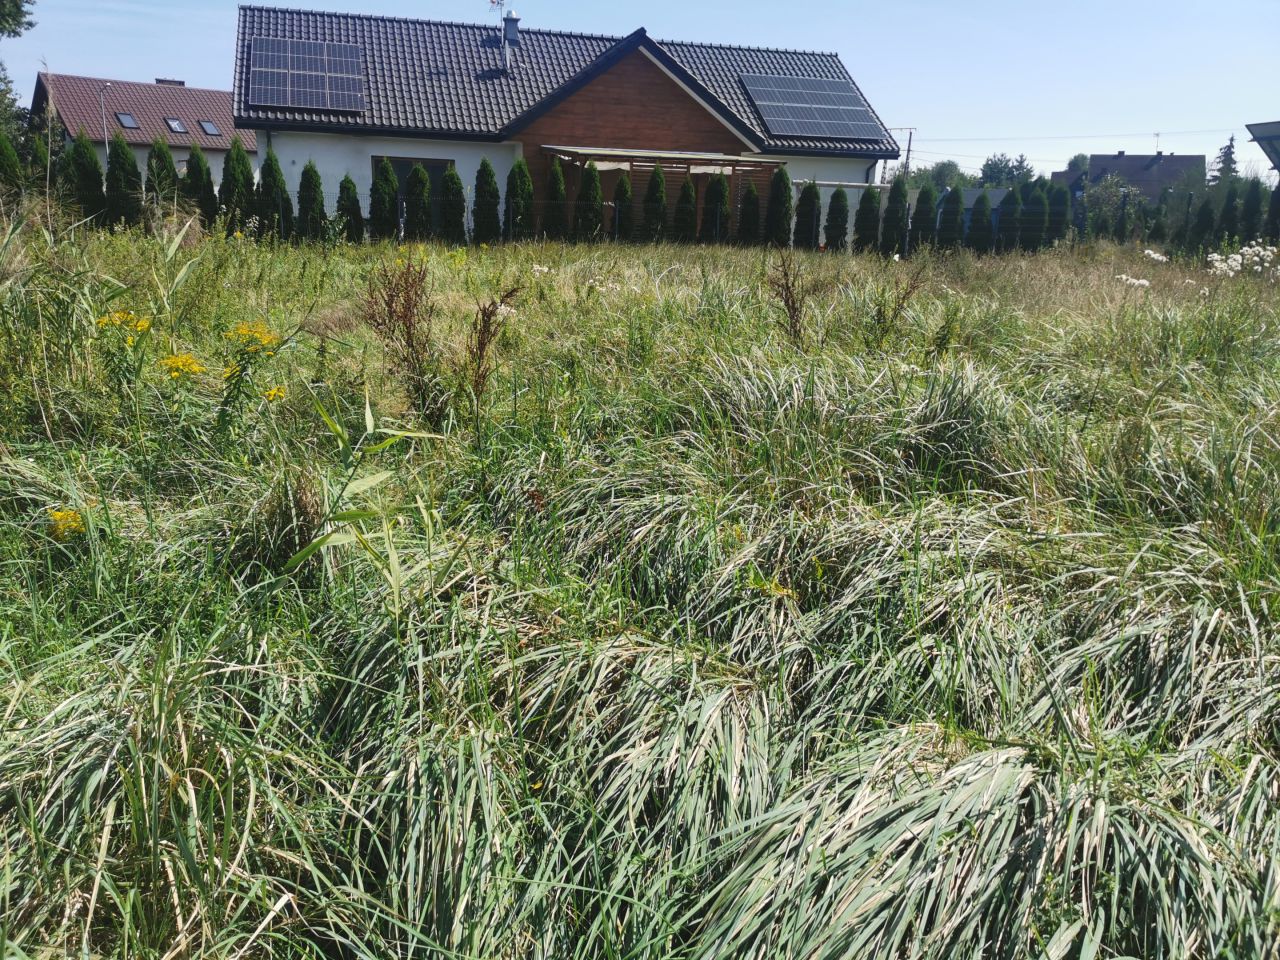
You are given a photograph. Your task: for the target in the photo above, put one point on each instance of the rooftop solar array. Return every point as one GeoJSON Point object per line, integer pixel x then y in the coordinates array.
{"type": "Point", "coordinates": [306, 74]}
{"type": "Point", "coordinates": [812, 107]}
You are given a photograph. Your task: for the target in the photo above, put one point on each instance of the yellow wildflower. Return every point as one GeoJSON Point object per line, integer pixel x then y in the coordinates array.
{"type": "Point", "coordinates": [238, 235]}
{"type": "Point", "coordinates": [255, 337]}
{"type": "Point", "coordinates": [182, 364]}
{"type": "Point", "coordinates": [65, 524]}
{"type": "Point", "coordinates": [125, 320]}
{"type": "Point", "coordinates": [274, 394]}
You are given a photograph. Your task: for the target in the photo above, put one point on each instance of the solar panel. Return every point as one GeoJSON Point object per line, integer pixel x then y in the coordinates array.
{"type": "Point", "coordinates": [306, 74]}
{"type": "Point", "coordinates": [812, 107]}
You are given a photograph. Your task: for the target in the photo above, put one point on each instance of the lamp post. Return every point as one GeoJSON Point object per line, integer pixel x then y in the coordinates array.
{"type": "Point", "coordinates": [102, 105]}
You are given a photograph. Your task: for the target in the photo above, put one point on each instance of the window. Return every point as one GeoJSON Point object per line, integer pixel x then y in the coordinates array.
{"type": "Point", "coordinates": [211, 128]}
{"type": "Point", "coordinates": [176, 125]}
{"type": "Point", "coordinates": [127, 121]}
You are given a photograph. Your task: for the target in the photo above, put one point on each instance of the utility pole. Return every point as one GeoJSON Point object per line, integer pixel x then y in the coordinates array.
{"type": "Point", "coordinates": [106, 150]}
{"type": "Point", "coordinates": [906, 163]}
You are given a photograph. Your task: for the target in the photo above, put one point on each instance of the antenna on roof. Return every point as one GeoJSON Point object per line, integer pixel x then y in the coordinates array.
{"type": "Point", "coordinates": [510, 35]}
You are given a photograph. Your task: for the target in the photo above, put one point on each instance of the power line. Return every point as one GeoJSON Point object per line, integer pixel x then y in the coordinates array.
{"type": "Point", "coordinates": [1078, 136]}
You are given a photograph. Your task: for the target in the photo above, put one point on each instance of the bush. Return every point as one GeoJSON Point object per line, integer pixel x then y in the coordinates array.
{"type": "Point", "coordinates": [837, 229]}
{"type": "Point", "coordinates": [274, 207]}
{"type": "Point", "coordinates": [349, 211]}
{"type": "Point", "coordinates": [81, 176]}
{"type": "Point", "coordinates": [588, 212]}
{"type": "Point", "coordinates": [486, 226]}
{"type": "Point", "coordinates": [124, 184]}
{"type": "Point", "coordinates": [866, 222]}
{"type": "Point", "coordinates": [808, 218]}
{"type": "Point", "coordinates": [1010, 212]}
{"type": "Point", "coordinates": [623, 209]}
{"type": "Point", "coordinates": [951, 225]}
{"type": "Point", "coordinates": [981, 237]}
{"type": "Point", "coordinates": [779, 213]}
{"type": "Point", "coordinates": [749, 216]}
{"type": "Point", "coordinates": [236, 193]}
{"type": "Point", "coordinates": [417, 204]}
{"type": "Point", "coordinates": [893, 232]}
{"type": "Point", "coordinates": [453, 208]}
{"type": "Point", "coordinates": [655, 206]}
{"type": "Point", "coordinates": [384, 203]}
{"type": "Point", "coordinates": [1201, 234]}
{"type": "Point", "coordinates": [684, 224]}
{"type": "Point", "coordinates": [1059, 212]}
{"type": "Point", "coordinates": [11, 173]}
{"type": "Point", "coordinates": [1034, 222]}
{"type": "Point", "coordinates": [518, 222]}
{"type": "Point", "coordinates": [1251, 212]}
{"type": "Point", "coordinates": [197, 186]}
{"type": "Point", "coordinates": [716, 213]}
{"type": "Point", "coordinates": [312, 219]}
{"type": "Point", "coordinates": [1229, 216]}
{"type": "Point", "coordinates": [1272, 229]}
{"type": "Point", "coordinates": [924, 221]}
{"type": "Point", "coordinates": [162, 175]}
{"type": "Point", "coordinates": [555, 214]}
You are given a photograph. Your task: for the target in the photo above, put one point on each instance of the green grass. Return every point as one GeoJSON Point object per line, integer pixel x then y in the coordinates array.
{"type": "Point", "coordinates": [949, 632]}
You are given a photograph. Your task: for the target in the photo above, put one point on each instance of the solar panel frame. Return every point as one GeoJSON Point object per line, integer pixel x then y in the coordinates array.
{"type": "Point", "coordinates": [812, 107]}
{"type": "Point", "coordinates": [306, 74]}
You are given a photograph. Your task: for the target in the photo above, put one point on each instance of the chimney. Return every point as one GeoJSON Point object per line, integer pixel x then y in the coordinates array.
{"type": "Point", "coordinates": [170, 83]}
{"type": "Point", "coordinates": [511, 29]}
{"type": "Point", "coordinates": [1120, 154]}
{"type": "Point", "coordinates": [1159, 153]}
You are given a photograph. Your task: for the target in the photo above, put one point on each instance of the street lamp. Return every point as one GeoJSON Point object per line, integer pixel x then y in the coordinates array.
{"type": "Point", "coordinates": [102, 105]}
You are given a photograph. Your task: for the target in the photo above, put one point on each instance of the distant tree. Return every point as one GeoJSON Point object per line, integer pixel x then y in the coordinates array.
{"type": "Point", "coordinates": [1201, 234]}
{"type": "Point", "coordinates": [417, 204]}
{"type": "Point", "coordinates": [893, 231]}
{"type": "Point", "coordinates": [197, 186]}
{"type": "Point", "coordinates": [555, 215]}
{"type": "Point", "coordinates": [1033, 225]}
{"type": "Point", "coordinates": [11, 172]}
{"type": "Point", "coordinates": [1225, 169]}
{"type": "Point", "coordinates": [486, 224]}
{"type": "Point", "coordinates": [15, 17]}
{"type": "Point", "coordinates": [942, 175]}
{"type": "Point", "coordinates": [235, 196]}
{"type": "Point", "coordinates": [1059, 212]}
{"type": "Point", "coordinates": [866, 222]}
{"type": "Point", "coordinates": [124, 184]}
{"type": "Point", "coordinates": [1158, 225]}
{"type": "Point", "coordinates": [837, 228]}
{"type": "Point", "coordinates": [162, 175]}
{"type": "Point", "coordinates": [312, 219]}
{"type": "Point", "coordinates": [981, 237]}
{"type": "Point", "coordinates": [716, 212]}
{"type": "Point", "coordinates": [684, 223]}
{"type": "Point", "coordinates": [518, 222]}
{"type": "Point", "coordinates": [1009, 213]}
{"type": "Point", "coordinates": [781, 209]}
{"type": "Point", "coordinates": [274, 206]}
{"type": "Point", "coordinates": [999, 170]}
{"type": "Point", "coordinates": [81, 176]}
{"type": "Point", "coordinates": [384, 203]}
{"type": "Point", "coordinates": [348, 211]}
{"type": "Point", "coordinates": [749, 216]}
{"type": "Point", "coordinates": [624, 227]}
{"type": "Point", "coordinates": [1078, 164]}
{"type": "Point", "coordinates": [1251, 211]}
{"type": "Point", "coordinates": [924, 219]}
{"type": "Point", "coordinates": [808, 217]}
{"type": "Point", "coordinates": [655, 206]}
{"type": "Point", "coordinates": [453, 208]}
{"type": "Point", "coordinates": [1272, 229]}
{"type": "Point", "coordinates": [1229, 216]}
{"type": "Point", "coordinates": [588, 214]}
{"type": "Point", "coordinates": [951, 225]}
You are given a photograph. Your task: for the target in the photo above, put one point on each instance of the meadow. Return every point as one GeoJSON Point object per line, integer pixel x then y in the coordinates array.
{"type": "Point", "coordinates": [635, 602]}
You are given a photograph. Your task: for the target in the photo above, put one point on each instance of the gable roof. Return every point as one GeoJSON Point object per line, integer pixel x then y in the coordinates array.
{"type": "Point", "coordinates": [446, 80]}
{"type": "Point", "coordinates": [1149, 173]}
{"type": "Point", "coordinates": [76, 101]}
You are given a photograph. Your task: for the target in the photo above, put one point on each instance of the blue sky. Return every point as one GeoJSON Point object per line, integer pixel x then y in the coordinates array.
{"type": "Point", "coordinates": [1047, 80]}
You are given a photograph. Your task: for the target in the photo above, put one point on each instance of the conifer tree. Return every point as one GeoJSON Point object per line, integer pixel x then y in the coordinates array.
{"type": "Point", "coordinates": [11, 174]}
{"type": "Point", "coordinates": [1009, 213]}
{"type": "Point", "coordinates": [981, 236]}
{"type": "Point", "coordinates": [453, 208]}
{"type": "Point", "coordinates": [588, 212]}
{"type": "Point", "coordinates": [866, 222]}
{"type": "Point", "coordinates": [384, 203]}
{"type": "Point", "coordinates": [716, 213]}
{"type": "Point", "coordinates": [808, 226]}
{"type": "Point", "coordinates": [1229, 216]}
{"type": "Point", "coordinates": [1059, 212]}
{"type": "Point", "coordinates": [517, 224]}
{"type": "Point", "coordinates": [274, 205]}
{"type": "Point", "coordinates": [1034, 222]}
{"type": "Point", "coordinates": [1251, 211]}
{"type": "Point", "coordinates": [894, 229]}
{"type": "Point", "coordinates": [1272, 229]}
{"type": "Point", "coordinates": [348, 211]}
{"type": "Point", "coordinates": [1201, 235]}
{"type": "Point", "coordinates": [623, 209]}
{"type": "Point", "coordinates": [162, 175]}
{"type": "Point", "coordinates": [749, 216]}
{"type": "Point", "coordinates": [486, 226]}
{"type": "Point", "coordinates": [417, 204]}
{"type": "Point", "coordinates": [124, 184]}
{"type": "Point", "coordinates": [1123, 227]}
{"type": "Point", "coordinates": [924, 219]}
{"type": "Point", "coordinates": [81, 176]}
{"type": "Point", "coordinates": [1225, 169]}
{"type": "Point", "coordinates": [837, 226]}
{"type": "Point", "coordinates": [555, 215]}
{"type": "Point", "coordinates": [655, 206]}
{"type": "Point", "coordinates": [312, 219]}
{"type": "Point", "coordinates": [39, 166]}
{"type": "Point", "coordinates": [951, 224]}
{"type": "Point", "coordinates": [781, 209]}
{"type": "Point", "coordinates": [197, 186]}
{"type": "Point", "coordinates": [684, 223]}
{"type": "Point", "coordinates": [235, 196]}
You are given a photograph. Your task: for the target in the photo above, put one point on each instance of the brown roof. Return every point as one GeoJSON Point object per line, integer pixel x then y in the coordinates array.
{"type": "Point", "coordinates": [76, 101]}
{"type": "Point", "coordinates": [1149, 173]}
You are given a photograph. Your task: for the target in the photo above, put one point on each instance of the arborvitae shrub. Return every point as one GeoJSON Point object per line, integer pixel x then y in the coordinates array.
{"type": "Point", "coordinates": [312, 219]}
{"type": "Point", "coordinates": [11, 174]}
{"type": "Point", "coordinates": [162, 175]}
{"type": "Point", "coordinates": [894, 229]}
{"type": "Point", "coordinates": [684, 223]}
{"type": "Point", "coordinates": [623, 228]}
{"type": "Point", "coordinates": [866, 222]}
{"type": "Point", "coordinates": [555, 215]}
{"type": "Point", "coordinates": [81, 176]}
{"type": "Point", "coordinates": [981, 235]}
{"type": "Point", "coordinates": [655, 206]}
{"type": "Point", "coordinates": [235, 196]}
{"type": "Point", "coordinates": [837, 228]}
{"type": "Point", "coordinates": [1251, 211]}
{"type": "Point", "coordinates": [808, 218]}
{"type": "Point", "coordinates": [486, 226]}
{"type": "Point", "coordinates": [588, 212]}
{"type": "Point", "coordinates": [1202, 228]}
{"type": "Point", "coordinates": [716, 213]}
{"type": "Point", "coordinates": [951, 224]}
{"type": "Point", "coordinates": [124, 184]}
{"type": "Point", "coordinates": [349, 211]}
{"type": "Point", "coordinates": [1034, 225]}
{"type": "Point", "coordinates": [1100, 227]}
{"type": "Point", "coordinates": [1059, 212]}
{"type": "Point", "coordinates": [453, 208]}
{"type": "Point", "coordinates": [1123, 226]}
{"type": "Point", "coordinates": [1272, 229]}
{"type": "Point", "coordinates": [39, 166]}
{"type": "Point", "coordinates": [749, 216]}
{"type": "Point", "coordinates": [924, 218]}
{"type": "Point", "coordinates": [1010, 213]}
{"type": "Point", "coordinates": [197, 186]}
{"type": "Point", "coordinates": [384, 203]}
{"type": "Point", "coordinates": [781, 209]}
{"type": "Point", "coordinates": [275, 207]}
{"type": "Point", "coordinates": [1229, 215]}
{"type": "Point", "coordinates": [517, 224]}
{"type": "Point", "coordinates": [417, 204]}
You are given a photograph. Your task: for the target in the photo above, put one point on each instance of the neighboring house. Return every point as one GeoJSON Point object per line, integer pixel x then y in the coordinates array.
{"type": "Point", "coordinates": [1267, 136]}
{"type": "Point", "coordinates": [1149, 174]}
{"type": "Point", "coordinates": [346, 90]}
{"type": "Point", "coordinates": [142, 112]}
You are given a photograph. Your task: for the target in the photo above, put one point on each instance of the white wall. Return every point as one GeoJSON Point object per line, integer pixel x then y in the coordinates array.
{"type": "Point", "coordinates": [213, 157]}
{"type": "Point", "coordinates": [831, 173]}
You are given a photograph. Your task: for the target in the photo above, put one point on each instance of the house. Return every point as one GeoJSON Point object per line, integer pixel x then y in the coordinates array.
{"type": "Point", "coordinates": [166, 110]}
{"type": "Point", "coordinates": [1267, 136]}
{"type": "Point", "coordinates": [347, 90]}
{"type": "Point", "coordinates": [1150, 174]}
